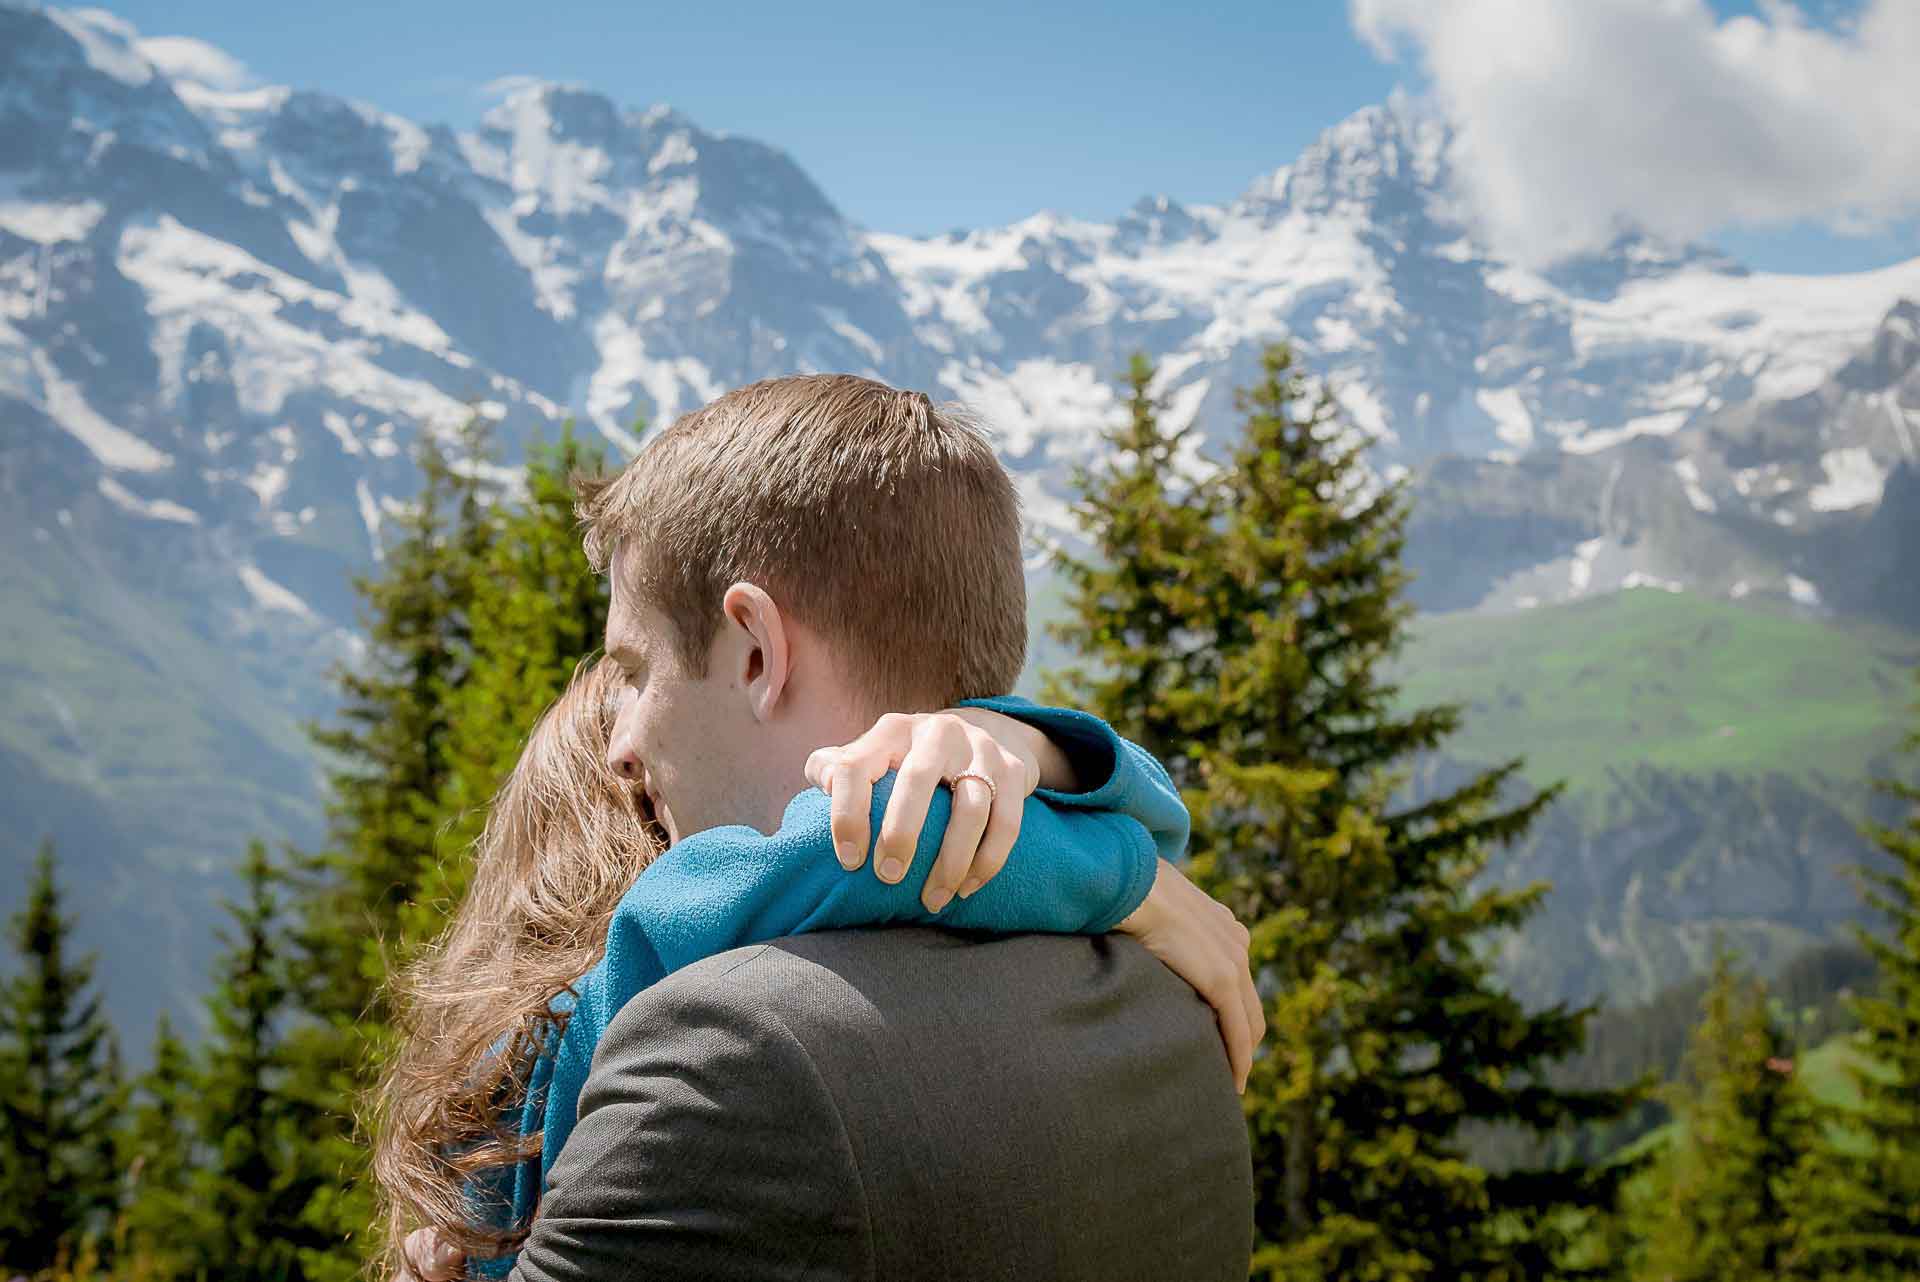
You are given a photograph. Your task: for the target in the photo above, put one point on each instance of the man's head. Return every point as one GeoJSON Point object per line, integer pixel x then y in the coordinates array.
{"type": "Point", "coordinates": [788, 562]}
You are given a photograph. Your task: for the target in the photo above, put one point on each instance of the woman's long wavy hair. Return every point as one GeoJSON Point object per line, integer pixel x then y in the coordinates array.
{"type": "Point", "coordinates": [565, 837]}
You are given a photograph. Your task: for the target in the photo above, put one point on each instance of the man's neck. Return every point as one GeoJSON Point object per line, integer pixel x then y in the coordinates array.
{"type": "Point", "coordinates": [827, 719]}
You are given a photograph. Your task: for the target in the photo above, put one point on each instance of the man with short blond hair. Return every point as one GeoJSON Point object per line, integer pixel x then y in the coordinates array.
{"type": "Point", "coordinates": [787, 563]}
{"type": "Point", "coordinates": [905, 501]}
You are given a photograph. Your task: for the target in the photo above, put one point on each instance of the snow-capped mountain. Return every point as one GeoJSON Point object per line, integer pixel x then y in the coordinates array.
{"type": "Point", "coordinates": [226, 313]}
{"type": "Point", "coordinates": [240, 304]}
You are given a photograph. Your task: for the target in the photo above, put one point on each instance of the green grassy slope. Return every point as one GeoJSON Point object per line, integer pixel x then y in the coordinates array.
{"type": "Point", "coordinates": [1644, 678]}
{"type": "Point", "coordinates": [1667, 680]}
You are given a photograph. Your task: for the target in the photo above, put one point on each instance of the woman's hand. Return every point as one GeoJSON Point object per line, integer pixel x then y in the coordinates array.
{"type": "Point", "coordinates": [927, 749]}
{"type": "Point", "coordinates": [1201, 941]}
{"type": "Point", "coordinates": [428, 1259]}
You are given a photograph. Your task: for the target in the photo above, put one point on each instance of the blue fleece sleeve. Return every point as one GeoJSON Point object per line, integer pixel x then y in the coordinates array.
{"type": "Point", "coordinates": [1124, 777]}
{"type": "Point", "coordinates": [1072, 870]}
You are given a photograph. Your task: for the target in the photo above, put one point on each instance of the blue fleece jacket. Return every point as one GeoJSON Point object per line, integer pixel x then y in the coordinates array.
{"type": "Point", "coordinates": [1083, 862]}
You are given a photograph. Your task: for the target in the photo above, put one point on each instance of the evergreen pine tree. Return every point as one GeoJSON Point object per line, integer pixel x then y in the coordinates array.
{"type": "Point", "coordinates": [536, 610]}
{"type": "Point", "coordinates": [158, 1149]}
{"type": "Point", "coordinates": [60, 1097]}
{"type": "Point", "coordinates": [1238, 622]}
{"type": "Point", "coordinates": [1872, 1223]}
{"type": "Point", "coordinates": [1152, 529]}
{"type": "Point", "coordinates": [246, 1195]}
{"type": "Point", "coordinates": [391, 747]}
{"type": "Point", "coordinates": [1729, 1197]}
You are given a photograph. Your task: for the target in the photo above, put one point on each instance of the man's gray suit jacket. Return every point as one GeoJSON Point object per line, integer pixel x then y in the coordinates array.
{"type": "Point", "coordinates": [905, 1103]}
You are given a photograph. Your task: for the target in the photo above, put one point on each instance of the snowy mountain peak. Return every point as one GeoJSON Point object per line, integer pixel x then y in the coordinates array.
{"type": "Point", "coordinates": [1632, 256]}
{"type": "Point", "coordinates": [1891, 357]}
{"type": "Point", "coordinates": [1157, 220]}
{"type": "Point", "coordinates": [108, 43]}
{"type": "Point", "coordinates": [560, 111]}
{"type": "Point", "coordinates": [569, 152]}
{"type": "Point", "coordinates": [1387, 159]}
{"type": "Point", "coordinates": [75, 89]}
{"type": "Point", "coordinates": [319, 134]}
{"type": "Point", "coordinates": [534, 115]}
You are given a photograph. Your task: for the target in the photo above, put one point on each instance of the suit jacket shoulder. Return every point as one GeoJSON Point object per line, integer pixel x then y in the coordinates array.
{"type": "Point", "coordinates": [706, 1147]}
{"type": "Point", "coordinates": [905, 1103]}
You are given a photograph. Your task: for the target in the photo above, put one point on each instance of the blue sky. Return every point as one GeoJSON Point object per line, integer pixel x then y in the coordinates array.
{"type": "Point", "coordinates": [913, 118]}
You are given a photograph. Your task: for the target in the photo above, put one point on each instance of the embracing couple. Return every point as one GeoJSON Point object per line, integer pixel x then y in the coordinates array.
{"type": "Point", "coordinates": [665, 1035]}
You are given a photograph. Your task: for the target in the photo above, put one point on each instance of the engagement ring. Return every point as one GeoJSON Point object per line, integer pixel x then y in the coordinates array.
{"type": "Point", "coordinates": [993, 793]}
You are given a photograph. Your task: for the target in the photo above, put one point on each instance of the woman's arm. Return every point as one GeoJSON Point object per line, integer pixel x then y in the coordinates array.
{"type": "Point", "coordinates": [1072, 871]}
{"type": "Point", "coordinates": [1071, 758]}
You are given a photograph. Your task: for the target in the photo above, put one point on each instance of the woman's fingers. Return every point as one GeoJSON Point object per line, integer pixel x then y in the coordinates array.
{"type": "Point", "coordinates": [428, 1259]}
{"type": "Point", "coordinates": [1022, 743]}
{"type": "Point", "coordinates": [852, 791]}
{"type": "Point", "coordinates": [1231, 1015]}
{"type": "Point", "coordinates": [1241, 1036]}
{"type": "Point", "coordinates": [1249, 991]}
{"type": "Point", "coordinates": [972, 802]}
{"type": "Point", "coordinates": [926, 750]}
{"type": "Point", "coordinates": [847, 774]}
{"type": "Point", "coordinates": [1206, 946]}
{"type": "Point", "coordinates": [938, 743]}
{"type": "Point", "coordinates": [1003, 827]}
{"type": "Point", "coordinates": [819, 761]}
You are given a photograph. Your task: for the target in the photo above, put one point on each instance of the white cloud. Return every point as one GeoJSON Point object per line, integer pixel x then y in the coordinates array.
{"type": "Point", "coordinates": [507, 86]}
{"type": "Point", "coordinates": [1574, 118]}
{"type": "Point", "coordinates": [184, 58]}
{"type": "Point", "coordinates": [503, 88]}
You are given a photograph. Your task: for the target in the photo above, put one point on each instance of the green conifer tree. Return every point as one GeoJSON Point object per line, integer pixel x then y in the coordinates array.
{"type": "Point", "coordinates": [60, 1096]}
{"type": "Point", "coordinates": [391, 746]}
{"type": "Point", "coordinates": [158, 1149]}
{"type": "Point", "coordinates": [1729, 1196]}
{"type": "Point", "coordinates": [1237, 622]}
{"type": "Point", "coordinates": [391, 752]}
{"type": "Point", "coordinates": [1870, 1226]}
{"type": "Point", "coordinates": [1152, 530]}
{"type": "Point", "coordinates": [476, 619]}
{"type": "Point", "coordinates": [536, 611]}
{"type": "Point", "coordinates": [246, 1194]}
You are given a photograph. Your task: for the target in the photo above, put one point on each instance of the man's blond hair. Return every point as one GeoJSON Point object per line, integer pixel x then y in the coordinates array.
{"type": "Point", "coordinates": [883, 522]}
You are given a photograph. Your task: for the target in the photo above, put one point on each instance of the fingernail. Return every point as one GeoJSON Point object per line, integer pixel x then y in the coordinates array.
{"type": "Point", "coordinates": [891, 869]}
{"type": "Point", "coordinates": [938, 899]}
{"type": "Point", "coordinates": [968, 886]}
{"type": "Point", "coordinates": [844, 853]}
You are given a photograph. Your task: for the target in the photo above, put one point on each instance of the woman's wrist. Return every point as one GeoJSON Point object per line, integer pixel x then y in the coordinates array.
{"type": "Point", "coordinates": [1053, 767]}
{"type": "Point", "coordinates": [1056, 767]}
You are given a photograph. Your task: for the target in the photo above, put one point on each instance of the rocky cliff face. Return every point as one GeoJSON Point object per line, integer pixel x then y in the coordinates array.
{"type": "Point", "coordinates": [1650, 878]}
{"type": "Point", "coordinates": [1808, 498]}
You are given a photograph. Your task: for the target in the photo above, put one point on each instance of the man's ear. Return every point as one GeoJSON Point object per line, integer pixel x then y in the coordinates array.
{"type": "Point", "coordinates": [762, 655]}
